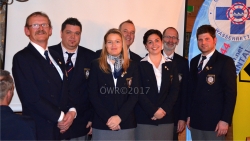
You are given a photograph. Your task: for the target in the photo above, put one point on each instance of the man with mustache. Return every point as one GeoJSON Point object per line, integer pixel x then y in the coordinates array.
{"type": "Point", "coordinates": [40, 82]}
{"type": "Point", "coordinates": [128, 31]}
{"type": "Point", "coordinates": [170, 41]}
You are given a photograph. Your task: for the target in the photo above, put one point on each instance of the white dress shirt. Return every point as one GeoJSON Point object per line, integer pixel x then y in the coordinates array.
{"type": "Point", "coordinates": [65, 55]}
{"type": "Point", "coordinates": [157, 70]}
{"type": "Point", "coordinates": [112, 70]}
{"type": "Point", "coordinates": [206, 60]}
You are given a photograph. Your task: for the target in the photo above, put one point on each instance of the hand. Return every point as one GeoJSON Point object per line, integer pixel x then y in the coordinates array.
{"type": "Point", "coordinates": [116, 128]}
{"type": "Point", "coordinates": [67, 121]}
{"type": "Point", "coordinates": [89, 126]}
{"type": "Point", "coordinates": [154, 118]}
{"type": "Point", "coordinates": [188, 123]}
{"type": "Point", "coordinates": [113, 122]}
{"type": "Point", "coordinates": [160, 113]}
{"type": "Point", "coordinates": [181, 126]}
{"type": "Point", "coordinates": [221, 128]}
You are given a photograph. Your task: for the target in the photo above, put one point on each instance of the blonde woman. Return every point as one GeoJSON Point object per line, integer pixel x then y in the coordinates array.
{"type": "Point", "coordinates": [113, 89]}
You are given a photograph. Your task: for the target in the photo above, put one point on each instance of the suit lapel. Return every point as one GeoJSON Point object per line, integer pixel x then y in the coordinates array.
{"type": "Point", "coordinates": [109, 78]}
{"type": "Point", "coordinates": [45, 66]}
{"type": "Point", "coordinates": [164, 76]}
{"type": "Point", "coordinates": [150, 72]}
{"type": "Point", "coordinates": [79, 64]}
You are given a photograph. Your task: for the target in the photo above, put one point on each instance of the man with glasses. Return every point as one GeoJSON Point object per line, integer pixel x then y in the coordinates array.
{"type": "Point", "coordinates": [170, 41]}
{"type": "Point", "coordinates": [40, 82]}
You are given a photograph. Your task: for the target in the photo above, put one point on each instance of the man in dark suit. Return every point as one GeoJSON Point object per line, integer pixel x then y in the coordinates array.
{"type": "Point", "coordinates": [213, 89]}
{"type": "Point", "coordinates": [77, 60]}
{"type": "Point", "coordinates": [40, 82]}
{"type": "Point", "coordinates": [127, 28]}
{"type": "Point", "coordinates": [13, 126]}
{"type": "Point", "coordinates": [170, 41]}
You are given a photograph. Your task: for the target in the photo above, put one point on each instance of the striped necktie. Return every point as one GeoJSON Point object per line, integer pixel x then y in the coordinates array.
{"type": "Point", "coordinates": [47, 57]}
{"type": "Point", "coordinates": [69, 64]}
{"type": "Point", "coordinates": [201, 64]}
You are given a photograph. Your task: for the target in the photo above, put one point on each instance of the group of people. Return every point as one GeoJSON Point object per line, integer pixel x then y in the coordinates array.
{"type": "Point", "coordinates": [68, 91]}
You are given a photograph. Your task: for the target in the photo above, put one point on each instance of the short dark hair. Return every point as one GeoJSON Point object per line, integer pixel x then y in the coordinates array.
{"type": "Point", "coordinates": [71, 21]}
{"type": "Point", "coordinates": [127, 21]}
{"type": "Point", "coordinates": [171, 28]}
{"type": "Point", "coordinates": [150, 32]}
{"type": "Point", "coordinates": [206, 29]}
{"type": "Point", "coordinates": [38, 13]}
{"type": "Point", "coordinates": [6, 83]}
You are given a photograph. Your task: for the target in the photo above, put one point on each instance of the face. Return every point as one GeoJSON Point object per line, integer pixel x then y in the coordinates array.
{"type": "Point", "coordinates": [206, 43]}
{"type": "Point", "coordinates": [114, 44]}
{"type": "Point", "coordinates": [41, 34]}
{"type": "Point", "coordinates": [128, 31]}
{"type": "Point", "coordinates": [154, 44]}
{"type": "Point", "coordinates": [71, 37]}
{"type": "Point", "coordinates": [170, 39]}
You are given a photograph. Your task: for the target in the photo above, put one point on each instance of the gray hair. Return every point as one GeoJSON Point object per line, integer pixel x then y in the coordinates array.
{"type": "Point", "coordinates": [6, 83]}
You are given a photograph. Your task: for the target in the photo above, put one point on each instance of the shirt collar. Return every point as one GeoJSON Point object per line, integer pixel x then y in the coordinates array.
{"type": "Point", "coordinates": [170, 56]}
{"type": "Point", "coordinates": [163, 59]}
{"type": "Point", "coordinates": [209, 55]}
{"type": "Point", "coordinates": [39, 48]}
{"type": "Point", "coordinates": [65, 50]}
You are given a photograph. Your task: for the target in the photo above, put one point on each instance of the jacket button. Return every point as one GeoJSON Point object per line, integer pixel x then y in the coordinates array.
{"type": "Point", "coordinates": [48, 81]}
{"type": "Point", "coordinates": [51, 95]}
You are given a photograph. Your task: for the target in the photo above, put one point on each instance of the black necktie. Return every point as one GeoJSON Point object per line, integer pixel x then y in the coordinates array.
{"type": "Point", "coordinates": [69, 64]}
{"type": "Point", "coordinates": [47, 56]}
{"type": "Point", "coordinates": [201, 64]}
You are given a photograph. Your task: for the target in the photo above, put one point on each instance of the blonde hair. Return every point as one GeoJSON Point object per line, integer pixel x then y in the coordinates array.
{"type": "Point", "coordinates": [103, 64]}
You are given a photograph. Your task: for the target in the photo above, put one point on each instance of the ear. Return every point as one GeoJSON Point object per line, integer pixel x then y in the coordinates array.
{"type": "Point", "coordinates": [177, 42]}
{"type": "Point", "coordinates": [61, 33]}
{"type": "Point", "coordinates": [26, 31]}
{"type": "Point", "coordinates": [215, 40]}
{"type": "Point", "coordinates": [50, 31]}
{"type": "Point", "coordinates": [9, 96]}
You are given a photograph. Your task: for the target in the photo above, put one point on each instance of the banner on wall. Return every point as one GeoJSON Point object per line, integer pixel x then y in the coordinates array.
{"type": "Point", "coordinates": [231, 19]}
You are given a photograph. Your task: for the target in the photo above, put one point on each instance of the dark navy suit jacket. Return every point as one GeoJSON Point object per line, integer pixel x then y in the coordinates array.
{"type": "Point", "coordinates": [109, 100]}
{"type": "Point", "coordinates": [78, 89]}
{"type": "Point", "coordinates": [213, 92]}
{"type": "Point", "coordinates": [42, 92]}
{"type": "Point", "coordinates": [150, 100]}
{"type": "Point", "coordinates": [15, 127]}
{"type": "Point", "coordinates": [180, 107]}
{"type": "Point", "coordinates": [133, 56]}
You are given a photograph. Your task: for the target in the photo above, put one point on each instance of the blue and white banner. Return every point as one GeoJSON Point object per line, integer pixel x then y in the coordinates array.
{"type": "Point", "coordinates": [231, 19]}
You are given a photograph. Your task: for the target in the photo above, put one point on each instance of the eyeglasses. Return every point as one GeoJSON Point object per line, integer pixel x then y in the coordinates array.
{"type": "Point", "coordinates": [38, 25]}
{"type": "Point", "coordinates": [171, 37]}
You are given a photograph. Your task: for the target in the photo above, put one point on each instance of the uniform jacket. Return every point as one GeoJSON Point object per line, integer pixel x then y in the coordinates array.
{"type": "Point", "coordinates": [213, 92]}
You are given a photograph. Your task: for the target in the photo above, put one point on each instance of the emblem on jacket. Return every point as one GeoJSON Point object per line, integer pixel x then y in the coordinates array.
{"type": "Point", "coordinates": [171, 78]}
{"type": "Point", "coordinates": [129, 81]}
{"type": "Point", "coordinates": [123, 73]}
{"type": "Point", "coordinates": [166, 68]}
{"type": "Point", "coordinates": [86, 72]}
{"type": "Point", "coordinates": [180, 77]}
{"type": "Point", "coordinates": [210, 79]}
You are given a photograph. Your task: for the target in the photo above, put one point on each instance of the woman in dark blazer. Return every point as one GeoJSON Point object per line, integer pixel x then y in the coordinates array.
{"type": "Point", "coordinates": [159, 79]}
{"type": "Point", "coordinates": [113, 90]}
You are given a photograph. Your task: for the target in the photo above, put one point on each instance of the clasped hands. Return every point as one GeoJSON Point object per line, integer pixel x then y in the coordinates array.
{"type": "Point", "coordinates": [114, 123]}
{"type": "Point", "coordinates": [159, 114]}
{"type": "Point", "coordinates": [67, 121]}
